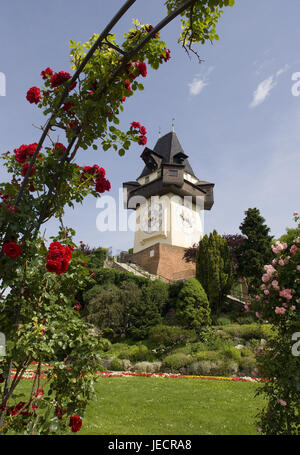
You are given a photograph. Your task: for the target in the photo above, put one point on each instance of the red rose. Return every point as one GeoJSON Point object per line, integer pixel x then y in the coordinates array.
{"type": "Point", "coordinates": [77, 306]}
{"type": "Point", "coordinates": [12, 250]}
{"type": "Point", "coordinates": [24, 152]}
{"type": "Point", "coordinates": [75, 423]}
{"type": "Point", "coordinates": [47, 72]}
{"type": "Point", "coordinates": [53, 266]}
{"type": "Point", "coordinates": [59, 78]}
{"type": "Point", "coordinates": [24, 170]}
{"type": "Point", "coordinates": [142, 68]}
{"type": "Point", "coordinates": [123, 99]}
{"type": "Point", "coordinates": [102, 185]}
{"type": "Point", "coordinates": [21, 154]}
{"type": "Point", "coordinates": [34, 95]}
{"type": "Point", "coordinates": [143, 130]}
{"type": "Point", "coordinates": [167, 56]}
{"type": "Point", "coordinates": [142, 140]}
{"type": "Point", "coordinates": [60, 148]}
{"type": "Point", "coordinates": [135, 125]}
{"type": "Point", "coordinates": [72, 86]}
{"type": "Point", "coordinates": [31, 148]}
{"type": "Point", "coordinates": [127, 84]}
{"type": "Point", "coordinates": [58, 258]}
{"type": "Point", "coordinates": [95, 171]}
{"type": "Point", "coordinates": [67, 107]}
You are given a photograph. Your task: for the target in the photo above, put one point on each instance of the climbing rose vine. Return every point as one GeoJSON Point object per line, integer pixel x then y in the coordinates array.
{"type": "Point", "coordinates": [278, 302]}
{"type": "Point", "coordinates": [39, 284]}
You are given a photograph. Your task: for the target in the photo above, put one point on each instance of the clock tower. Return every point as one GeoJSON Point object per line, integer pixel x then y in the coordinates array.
{"type": "Point", "coordinates": [169, 201]}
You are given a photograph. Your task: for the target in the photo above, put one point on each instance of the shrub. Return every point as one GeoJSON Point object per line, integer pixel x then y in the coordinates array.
{"type": "Point", "coordinates": [176, 361]}
{"type": "Point", "coordinates": [110, 308]}
{"type": "Point", "coordinates": [249, 331]}
{"type": "Point", "coordinates": [170, 335]}
{"type": "Point", "coordinates": [230, 352]}
{"type": "Point", "coordinates": [247, 365]}
{"type": "Point", "coordinates": [246, 351]}
{"type": "Point", "coordinates": [226, 368]}
{"type": "Point", "coordinates": [214, 270]}
{"type": "Point", "coordinates": [201, 368]}
{"type": "Point", "coordinates": [145, 312]}
{"type": "Point", "coordinates": [147, 367]}
{"type": "Point", "coordinates": [105, 344]}
{"type": "Point", "coordinates": [117, 365]}
{"type": "Point", "coordinates": [223, 320]}
{"type": "Point", "coordinates": [135, 353]}
{"type": "Point", "coordinates": [213, 368]}
{"type": "Point", "coordinates": [206, 355]}
{"type": "Point", "coordinates": [192, 306]}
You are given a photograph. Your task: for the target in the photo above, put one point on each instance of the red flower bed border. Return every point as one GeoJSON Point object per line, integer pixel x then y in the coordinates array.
{"type": "Point", "coordinates": [111, 374]}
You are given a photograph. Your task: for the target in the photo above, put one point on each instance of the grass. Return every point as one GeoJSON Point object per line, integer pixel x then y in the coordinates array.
{"type": "Point", "coordinates": [162, 406]}
{"type": "Point", "coordinates": [141, 406]}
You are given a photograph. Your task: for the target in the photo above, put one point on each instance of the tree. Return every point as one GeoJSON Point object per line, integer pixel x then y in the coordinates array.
{"type": "Point", "coordinates": [110, 308]}
{"type": "Point", "coordinates": [290, 235]}
{"type": "Point", "coordinates": [146, 312]}
{"type": "Point", "coordinates": [255, 251]}
{"type": "Point", "coordinates": [213, 269]}
{"type": "Point", "coordinates": [234, 242]}
{"type": "Point", "coordinates": [192, 307]}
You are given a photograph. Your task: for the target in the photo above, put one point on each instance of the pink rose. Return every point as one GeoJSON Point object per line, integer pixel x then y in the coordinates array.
{"type": "Point", "coordinates": [286, 293]}
{"type": "Point", "coordinates": [282, 402]}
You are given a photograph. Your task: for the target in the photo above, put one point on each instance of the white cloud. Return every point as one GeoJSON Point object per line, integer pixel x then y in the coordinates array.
{"type": "Point", "coordinates": [262, 91]}
{"type": "Point", "coordinates": [199, 82]}
{"type": "Point", "coordinates": [196, 86]}
{"type": "Point", "coordinates": [282, 70]}
{"type": "Point", "coordinates": [265, 87]}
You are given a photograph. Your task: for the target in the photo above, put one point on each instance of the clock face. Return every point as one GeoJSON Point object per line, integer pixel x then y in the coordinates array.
{"type": "Point", "coordinates": [185, 219]}
{"type": "Point", "coordinates": [151, 219]}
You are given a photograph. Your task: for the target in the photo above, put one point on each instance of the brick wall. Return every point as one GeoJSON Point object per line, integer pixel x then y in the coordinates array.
{"type": "Point", "coordinates": [166, 261]}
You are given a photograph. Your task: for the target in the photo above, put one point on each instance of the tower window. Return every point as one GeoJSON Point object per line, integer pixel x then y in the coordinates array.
{"type": "Point", "coordinates": [173, 173]}
{"type": "Point", "coordinates": [147, 179]}
{"type": "Point", "coordinates": [159, 173]}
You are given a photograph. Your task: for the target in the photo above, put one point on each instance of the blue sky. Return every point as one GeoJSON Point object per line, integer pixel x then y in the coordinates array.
{"type": "Point", "coordinates": [235, 114]}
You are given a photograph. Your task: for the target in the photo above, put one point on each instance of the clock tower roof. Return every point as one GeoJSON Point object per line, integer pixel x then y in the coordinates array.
{"type": "Point", "coordinates": [170, 151]}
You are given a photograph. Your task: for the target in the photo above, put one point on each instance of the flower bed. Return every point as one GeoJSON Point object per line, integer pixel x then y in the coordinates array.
{"type": "Point", "coordinates": [30, 373]}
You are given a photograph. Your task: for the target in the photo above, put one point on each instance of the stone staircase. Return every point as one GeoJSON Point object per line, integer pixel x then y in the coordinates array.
{"type": "Point", "coordinates": [136, 270]}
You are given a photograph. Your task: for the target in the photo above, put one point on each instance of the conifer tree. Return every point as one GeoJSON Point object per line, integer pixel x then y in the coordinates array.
{"type": "Point", "coordinates": [192, 308]}
{"type": "Point", "coordinates": [214, 269]}
{"type": "Point", "coordinates": [255, 251]}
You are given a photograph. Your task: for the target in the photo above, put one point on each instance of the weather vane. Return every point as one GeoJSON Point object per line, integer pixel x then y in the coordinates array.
{"type": "Point", "coordinates": [173, 125]}
{"type": "Point", "coordinates": [159, 132]}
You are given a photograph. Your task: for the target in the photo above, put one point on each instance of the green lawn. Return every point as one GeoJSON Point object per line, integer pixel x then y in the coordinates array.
{"type": "Point", "coordinates": [162, 406]}
{"type": "Point", "coordinates": [140, 406]}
